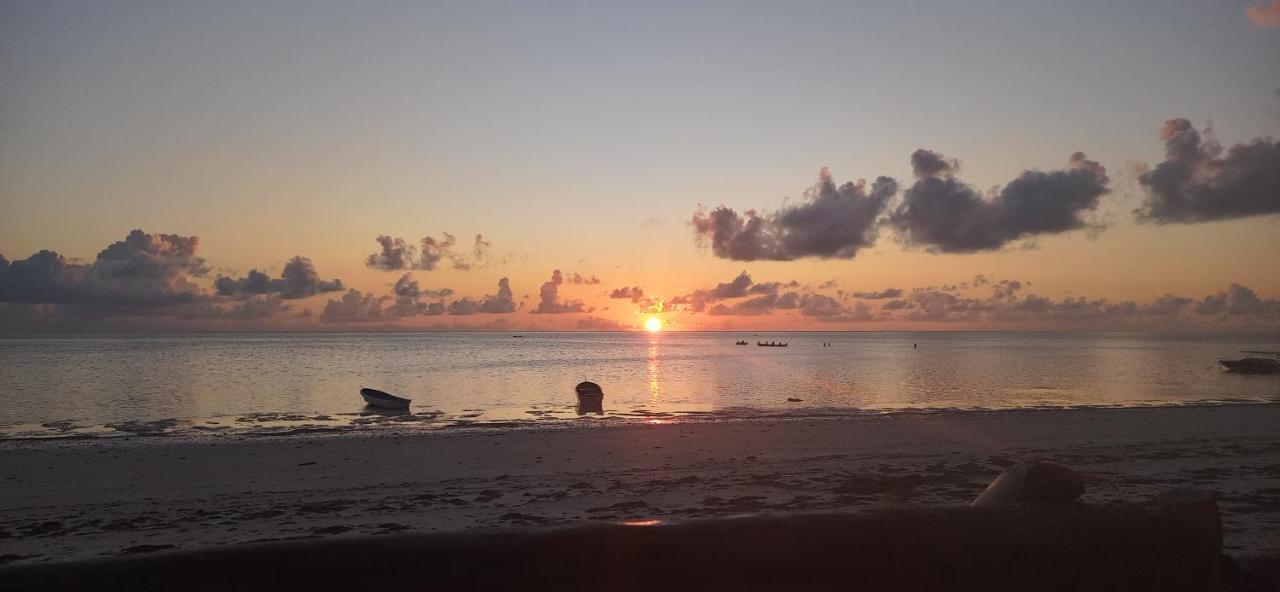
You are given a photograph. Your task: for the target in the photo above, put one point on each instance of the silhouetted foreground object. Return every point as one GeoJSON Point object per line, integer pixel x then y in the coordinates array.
{"type": "Point", "coordinates": [590, 398]}
{"type": "Point", "coordinates": [1033, 482]}
{"type": "Point", "coordinates": [378, 398]}
{"type": "Point", "coordinates": [1017, 547]}
{"type": "Point", "coordinates": [1254, 364]}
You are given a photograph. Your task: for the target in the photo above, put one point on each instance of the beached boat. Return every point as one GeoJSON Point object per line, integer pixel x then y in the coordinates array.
{"type": "Point", "coordinates": [590, 398]}
{"type": "Point", "coordinates": [770, 344]}
{"type": "Point", "coordinates": [1254, 364]}
{"type": "Point", "coordinates": [378, 398]}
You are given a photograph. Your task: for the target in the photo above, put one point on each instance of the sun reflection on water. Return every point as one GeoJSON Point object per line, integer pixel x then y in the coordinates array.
{"type": "Point", "coordinates": [654, 367]}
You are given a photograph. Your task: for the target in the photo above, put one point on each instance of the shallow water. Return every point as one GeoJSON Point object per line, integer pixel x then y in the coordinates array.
{"type": "Point", "coordinates": [106, 385]}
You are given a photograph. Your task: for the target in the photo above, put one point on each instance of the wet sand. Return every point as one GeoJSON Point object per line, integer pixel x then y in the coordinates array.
{"type": "Point", "coordinates": [66, 500]}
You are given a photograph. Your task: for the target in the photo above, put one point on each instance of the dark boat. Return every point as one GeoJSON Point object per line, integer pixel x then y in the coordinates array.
{"type": "Point", "coordinates": [590, 398]}
{"type": "Point", "coordinates": [1254, 364]}
{"type": "Point", "coordinates": [378, 398]}
{"type": "Point", "coordinates": [770, 344]}
{"type": "Point", "coordinates": [740, 343]}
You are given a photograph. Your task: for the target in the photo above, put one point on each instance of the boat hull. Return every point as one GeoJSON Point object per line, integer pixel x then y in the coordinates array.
{"type": "Point", "coordinates": [377, 398]}
{"type": "Point", "coordinates": [1252, 365]}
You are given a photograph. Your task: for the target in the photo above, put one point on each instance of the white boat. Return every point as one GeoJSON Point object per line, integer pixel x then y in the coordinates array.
{"type": "Point", "coordinates": [378, 398]}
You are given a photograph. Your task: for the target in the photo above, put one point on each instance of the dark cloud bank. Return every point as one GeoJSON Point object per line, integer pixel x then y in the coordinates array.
{"type": "Point", "coordinates": [299, 279]}
{"type": "Point", "coordinates": [1003, 302]}
{"type": "Point", "coordinates": [830, 222]}
{"type": "Point", "coordinates": [144, 281]}
{"type": "Point", "coordinates": [1200, 182]}
{"type": "Point", "coordinates": [408, 299]}
{"type": "Point", "coordinates": [941, 213]}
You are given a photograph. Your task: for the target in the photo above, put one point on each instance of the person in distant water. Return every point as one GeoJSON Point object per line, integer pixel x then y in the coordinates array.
{"type": "Point", "coordinates": [915, 345]}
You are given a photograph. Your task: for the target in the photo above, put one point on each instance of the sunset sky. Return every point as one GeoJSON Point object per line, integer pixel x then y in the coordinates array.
{"type": "Point", "coordinates": [1027, 165]}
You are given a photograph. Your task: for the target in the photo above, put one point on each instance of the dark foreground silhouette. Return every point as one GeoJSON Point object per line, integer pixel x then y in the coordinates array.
{"type": "Point", "coordinates": [1068, 546]}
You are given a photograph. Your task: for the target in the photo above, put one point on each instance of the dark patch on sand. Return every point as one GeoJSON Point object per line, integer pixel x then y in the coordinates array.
{"type": "Point", "coordinates": [136, 549]}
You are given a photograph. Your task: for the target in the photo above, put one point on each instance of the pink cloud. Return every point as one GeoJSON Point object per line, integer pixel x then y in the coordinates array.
{"type": "Point", "coordinates": [1265, 16]}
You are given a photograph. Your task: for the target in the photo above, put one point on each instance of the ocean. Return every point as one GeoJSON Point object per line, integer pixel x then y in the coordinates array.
{"type": "Point", "coordinates": [122, 385]}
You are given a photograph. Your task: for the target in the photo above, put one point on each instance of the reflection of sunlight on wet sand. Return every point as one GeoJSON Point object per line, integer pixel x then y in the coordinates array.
{"type": "Point", "coordinates": [649, 522]}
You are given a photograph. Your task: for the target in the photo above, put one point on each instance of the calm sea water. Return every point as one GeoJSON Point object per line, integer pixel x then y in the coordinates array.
{"type": "Point", "coordinates": [112, 385]}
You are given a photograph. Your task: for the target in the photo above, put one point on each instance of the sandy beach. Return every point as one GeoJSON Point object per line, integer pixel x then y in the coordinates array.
{"type": "Point", "coordinates": [79, 499]}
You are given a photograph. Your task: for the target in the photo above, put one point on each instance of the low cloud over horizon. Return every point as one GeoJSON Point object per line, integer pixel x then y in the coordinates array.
{"type": "Point", "coordinates": [158, 282]}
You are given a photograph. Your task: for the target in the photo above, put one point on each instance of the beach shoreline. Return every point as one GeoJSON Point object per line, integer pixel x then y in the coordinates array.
{"type": "Point", "coordinates": [87, 498]}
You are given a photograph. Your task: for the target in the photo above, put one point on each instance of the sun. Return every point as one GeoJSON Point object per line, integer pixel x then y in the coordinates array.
{"type": "Point", "coordinates": [653, 324]}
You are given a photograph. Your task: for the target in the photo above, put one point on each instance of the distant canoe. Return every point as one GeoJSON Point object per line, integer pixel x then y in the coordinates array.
{"type": "Point", "coordinates": [378, 398]}
{"type": "Point", "coordinates": [761, 344]}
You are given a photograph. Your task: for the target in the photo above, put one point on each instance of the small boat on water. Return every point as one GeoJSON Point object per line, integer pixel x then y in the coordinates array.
{"type": "Point", "coordinates": [378, 398]}
{"type": "Point", "coordinates": [1254, 364]}
{"type": "Point", "coordinates": [770, 344]}
{"type": "Point", "coordinates": [740, 342]}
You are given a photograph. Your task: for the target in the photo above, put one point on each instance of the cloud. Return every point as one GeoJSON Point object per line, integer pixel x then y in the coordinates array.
{"type": "Point", "coordinates": [599, 324]}
{"type": "Point", "coordinates": [141, 270]}
{"type": "Point", "coordinates": [407, 294]}
{"type": "Point", "coordinates": [1238, 304]}
{"type": "Point", "coordinates": [1005, 289]}
{"type": "Point", "coordinates": [581, 280]}
{"type": "Point", "coordinates": [881, 295]}
{"type": "Point", "coordinates": [705, 299]}
{"type": "Point", "coordinates": [397, 254]}
{"type": "Point", "coordinates": [736, 288]}
{"type": "Point", "coordinates": [897, 305]}
{"type": "Point", "coordinates": [1196, 182]}
{"type": "Point", "coordinates": [433, 250]}
{"type": "Point", "coordinates": [830, 222]}
{"type": "Point", "coordinates": [624, 293]}
{"type": "Point", "coordinates": [760, 305]}
{"type": "Point", "coordinates": [299, 279]}
{"type": "Point", "coordinates": [500, 303]}
{"type": "Point", "coordinates": [254, 309]}
{"type": "Point", "coordinates": [549, 298]}
{"type": "Point", "coordinates": [1264, 15]}
{"type": "Point", "coordinates": [773, 287]}
{"type": "Point", "coordinates": [653, 305]}
{"type": "Point", "coordinates": [820, 305]}
{"type": "Point", "coordinates": [1237, 300]}
{"type": "Point", "coordinates": [354, 307]}
{"type": "Point", "coordinates": [408, 287]}
{"type": "Point", "coordinates": [944, 214]}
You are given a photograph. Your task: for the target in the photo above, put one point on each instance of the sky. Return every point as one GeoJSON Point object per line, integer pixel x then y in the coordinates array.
{"type": "Point", "coordinates": [748, 165]}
